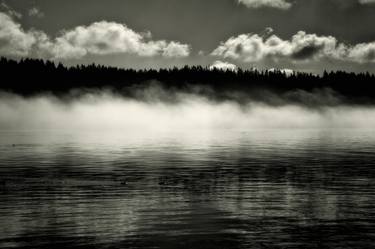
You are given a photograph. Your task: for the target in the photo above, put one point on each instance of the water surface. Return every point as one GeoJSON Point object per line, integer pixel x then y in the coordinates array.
{"type": "Point", "coordinates": [218, 189]}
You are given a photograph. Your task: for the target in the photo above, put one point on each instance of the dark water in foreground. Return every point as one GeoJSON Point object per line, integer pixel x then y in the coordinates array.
{"type": "Point", "coordinates": [260, 189]}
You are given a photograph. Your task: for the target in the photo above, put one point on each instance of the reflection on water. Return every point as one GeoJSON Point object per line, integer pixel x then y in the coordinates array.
{"type": "Point", "coordinates": [260, 189]}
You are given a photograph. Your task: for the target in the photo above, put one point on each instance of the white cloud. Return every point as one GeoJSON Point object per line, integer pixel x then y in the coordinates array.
{"type": "Point", "coordinates": [35, 12]}
{"type": "Point", "coordinates": [176, 49]}
{"type": "Point", "coordinates": [363, 52]}
{"type": "Point", "coordinates": [352, 3]}
{"type": "Point", "coordinates": [366, 1]}
{"type": "Point", "coordinates": [301, 47]}
{"type": "Point", "coordinates": [279, 4]}
{"type": "Point", "coordinates": [13, 39]}
{"type": "Point", "coordinates": [9, 10]}
{"type": "Point", "coordinates": [286, 71]}
{"type": "Point", "coordinates": [99, 38]}
{"type": "Point", "coordinates": [223, 66]}
{"type": "Point", "coordinates": [103, 37]}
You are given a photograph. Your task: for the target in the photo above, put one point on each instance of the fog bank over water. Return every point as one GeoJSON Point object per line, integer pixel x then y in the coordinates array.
{"type": "Point", "coordinates": [158, 110]}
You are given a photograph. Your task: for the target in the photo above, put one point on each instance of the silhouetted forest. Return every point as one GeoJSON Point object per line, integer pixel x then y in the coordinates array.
{"type": "Point", "coordinates": [34, 76]}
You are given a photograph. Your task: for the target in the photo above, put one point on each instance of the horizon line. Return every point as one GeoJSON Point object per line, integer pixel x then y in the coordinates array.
{"type": "Point", "coordinates": [206, 67]}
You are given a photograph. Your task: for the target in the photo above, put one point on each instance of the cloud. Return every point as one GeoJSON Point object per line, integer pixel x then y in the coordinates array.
{"type": "Point", "coordinates": [286, 71]}
{"type": "Point", "coordinates": [301, 47]}
{"type": "Point", "coordinates": [176, 49]}
{"type": "Point", "coordinates": [223, 66]}
{"type": "Point", "coordinates": [14, 40]}
{"type": "Point", "coordinates": [99, 38]}
{"type": "Point", "coordinates": [9, 10]}
{"type": "Point", "coordinates": [279, 4]}
{"type": "Point", "coordinates": [346, 4]}
{"type": "Point", "coordinates": [35, 12]}
{"type": "Point", "coordinates": [104, 111]}
{"type": "Point", "coordinates": [366, 2]}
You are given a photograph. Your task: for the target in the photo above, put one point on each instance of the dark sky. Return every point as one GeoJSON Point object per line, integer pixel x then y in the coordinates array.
{"type": "Point", "coordinates": [308, 35]}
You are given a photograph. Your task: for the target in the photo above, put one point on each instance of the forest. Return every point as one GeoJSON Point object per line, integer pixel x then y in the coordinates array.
{"type": "Point", "coordinates": [35, 76]}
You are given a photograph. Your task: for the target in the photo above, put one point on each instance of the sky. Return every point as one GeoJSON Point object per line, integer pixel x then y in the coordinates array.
{"type": "Point", "coordinates": [300, 35]}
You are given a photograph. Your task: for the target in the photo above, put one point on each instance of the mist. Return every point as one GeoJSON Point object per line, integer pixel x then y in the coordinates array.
{"type": "Point", "coordinates": [157, 110]}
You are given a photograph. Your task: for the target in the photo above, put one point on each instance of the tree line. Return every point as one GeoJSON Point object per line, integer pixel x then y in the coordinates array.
{"type": "Point", "coordinates": [32, 76]}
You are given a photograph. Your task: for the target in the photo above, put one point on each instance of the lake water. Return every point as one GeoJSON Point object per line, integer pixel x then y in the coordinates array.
{"type": "Point", "coordinates": [217, 189]}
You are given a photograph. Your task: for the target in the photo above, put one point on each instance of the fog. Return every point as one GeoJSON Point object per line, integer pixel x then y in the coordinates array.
{"type": "Point", "coordinates": [149, 111]}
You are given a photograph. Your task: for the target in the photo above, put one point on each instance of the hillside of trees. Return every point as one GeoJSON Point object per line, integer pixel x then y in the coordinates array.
{"type": "Point", "coordinates": [33, 76]}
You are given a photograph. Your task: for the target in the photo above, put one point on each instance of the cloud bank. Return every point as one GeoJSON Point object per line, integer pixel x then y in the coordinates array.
{"type": "Point", "coordinates": [108, 112]}
{"type": "Point", "coordinates": [301, 47]}
{"type": "Point", "coordinates": [99, 38]}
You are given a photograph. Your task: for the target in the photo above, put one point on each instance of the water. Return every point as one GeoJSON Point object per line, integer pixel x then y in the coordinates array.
{"type": "Point", "coordinates": [218, 189]}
